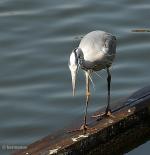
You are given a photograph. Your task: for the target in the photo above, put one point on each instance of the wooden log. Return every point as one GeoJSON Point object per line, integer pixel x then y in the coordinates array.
{"type": "Point", "coordinates": [111, 135]}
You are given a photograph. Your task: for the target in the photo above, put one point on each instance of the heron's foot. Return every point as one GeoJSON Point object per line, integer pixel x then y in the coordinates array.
{"type": "Point", "coordinates": [84, 128]}
{"type": "Point", "coordinates": [98, 116]}
{"type": "Point", "coordinates": [109, 114]}
{"type": "Point", "coordinates": [102, 115]}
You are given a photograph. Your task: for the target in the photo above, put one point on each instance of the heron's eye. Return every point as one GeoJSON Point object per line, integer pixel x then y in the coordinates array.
{"type": "Point", "coordinates": [75, 50]}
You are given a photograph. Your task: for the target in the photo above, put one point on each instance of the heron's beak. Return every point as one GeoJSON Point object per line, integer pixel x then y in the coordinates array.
{"type": "Point", "coordinates": [73, 76]}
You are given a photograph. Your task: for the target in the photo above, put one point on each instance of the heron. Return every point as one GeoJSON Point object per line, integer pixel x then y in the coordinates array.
{"type": "Point", "coordinates": [95, 52]}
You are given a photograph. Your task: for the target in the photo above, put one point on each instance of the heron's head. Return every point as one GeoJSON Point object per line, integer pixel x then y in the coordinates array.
{"type": "Point", "coordinates": [74, 63]}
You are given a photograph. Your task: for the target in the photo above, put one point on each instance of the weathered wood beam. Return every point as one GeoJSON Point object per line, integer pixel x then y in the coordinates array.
{"type": "Point", "coordinates": [112, 135]}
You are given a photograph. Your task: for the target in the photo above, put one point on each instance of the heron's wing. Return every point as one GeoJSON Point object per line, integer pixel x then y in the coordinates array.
{"type": "Point", "coordinates": [110, 44]}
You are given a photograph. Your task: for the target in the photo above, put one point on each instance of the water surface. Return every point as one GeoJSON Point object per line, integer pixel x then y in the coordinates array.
{"type": "Point", "coordinates": [35, 42]}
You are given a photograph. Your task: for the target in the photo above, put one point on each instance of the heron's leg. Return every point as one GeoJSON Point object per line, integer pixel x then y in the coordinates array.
{"type": "Point", "coordinates": [84, 126]}
{"type": "Point", "coordinates": [108, 110]}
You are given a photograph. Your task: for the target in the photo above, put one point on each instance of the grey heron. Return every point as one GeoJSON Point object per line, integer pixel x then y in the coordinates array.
{"type": "Point", "coordinates": [95, 52]}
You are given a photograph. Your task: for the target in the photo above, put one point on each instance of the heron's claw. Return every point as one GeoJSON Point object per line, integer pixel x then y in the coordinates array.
{"type": "Point", "coordinates": [102, 115]}
{"type": "Point", "coordinates": [98, 116]}
{"type": "Point", "coordinates": [84, 128]}
{"type": "Point", "coordinates": [109, 114]}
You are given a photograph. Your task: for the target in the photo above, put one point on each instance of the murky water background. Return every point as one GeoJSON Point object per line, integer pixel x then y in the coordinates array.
{"type": "Point", "coordinates": [36, 38]}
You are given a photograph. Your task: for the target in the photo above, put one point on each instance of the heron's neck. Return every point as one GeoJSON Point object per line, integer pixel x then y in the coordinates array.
{"type": "Point", "coordinates": [81, 60]}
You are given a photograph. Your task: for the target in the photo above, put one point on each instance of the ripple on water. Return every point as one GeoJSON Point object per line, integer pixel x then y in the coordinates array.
{"type": "Point", "coordinates": [36, 40]}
